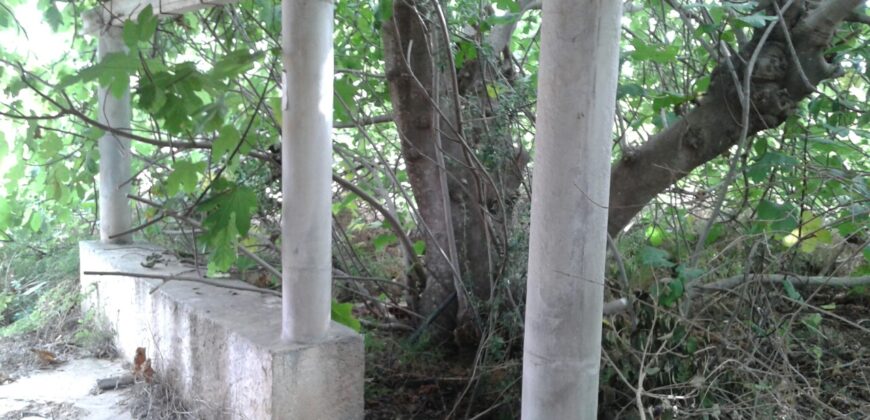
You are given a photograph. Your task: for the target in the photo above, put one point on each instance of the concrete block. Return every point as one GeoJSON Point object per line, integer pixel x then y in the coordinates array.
{"type": "Point", "coordinates": [221, 348]}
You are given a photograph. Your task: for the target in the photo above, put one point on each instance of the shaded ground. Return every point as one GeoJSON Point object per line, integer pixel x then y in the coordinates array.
{"type": "Point", "coordinates": [65, 391]}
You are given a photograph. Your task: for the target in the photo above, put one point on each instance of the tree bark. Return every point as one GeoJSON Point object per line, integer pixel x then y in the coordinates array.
{"type": "Point", "coordinates": [451, 189]}
{"type": "Point", "coordinates": [567, 243]}
{"type": "Point", "coordinates": [410, 76]}
{"type": "Point", "coordinates": [788, 70]}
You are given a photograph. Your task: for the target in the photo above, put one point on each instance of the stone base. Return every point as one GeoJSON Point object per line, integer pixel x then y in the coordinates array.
{"type": "Point", "coordinates": [221, 348]}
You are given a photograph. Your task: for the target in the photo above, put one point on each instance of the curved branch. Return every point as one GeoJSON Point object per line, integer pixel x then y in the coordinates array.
{"type": "Point", "coordinates": [394, 222]}
{"type": "Point", "coordinates": [711, 128]}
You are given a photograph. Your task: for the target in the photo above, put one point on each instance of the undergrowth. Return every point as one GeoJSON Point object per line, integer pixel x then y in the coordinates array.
{"type": "Point", "coordinates": [40, 302]}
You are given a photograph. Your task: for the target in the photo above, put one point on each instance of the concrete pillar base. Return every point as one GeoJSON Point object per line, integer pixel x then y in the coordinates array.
{"type": "Point", "coordinates": [220, 348]}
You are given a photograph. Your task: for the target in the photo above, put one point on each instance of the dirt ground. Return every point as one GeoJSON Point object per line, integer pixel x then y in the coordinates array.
{"type": "Point", "coordinates": [34, 387]}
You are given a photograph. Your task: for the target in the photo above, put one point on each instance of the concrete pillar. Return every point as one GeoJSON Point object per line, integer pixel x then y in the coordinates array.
{"type": "Point", "coordinates": [306, 231]}
{"type": "Point", "coordinates": [115, 216]}
{"type": "Point", "coordinates": [579, 68]}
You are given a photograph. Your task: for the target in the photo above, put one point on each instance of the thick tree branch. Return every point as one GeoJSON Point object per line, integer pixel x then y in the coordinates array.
{"type": "Point", "coordinates": [786, 65]}
{"type": "Point", "coordinates": [828, 15]}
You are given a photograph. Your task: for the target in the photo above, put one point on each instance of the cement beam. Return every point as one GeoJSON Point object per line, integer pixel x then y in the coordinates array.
{"type": "Point", "coordinates": [115, 112]}
{"type": "Point", "coordinates": [119, 10]}
{"type": "Point", "coordinates": [219, 348]}
{"type": "Point", "coordinates": [306, 155]}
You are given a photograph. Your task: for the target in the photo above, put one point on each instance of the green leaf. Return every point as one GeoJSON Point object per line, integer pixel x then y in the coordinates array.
{"type": "Point", "coordinates": [342, 313]}
{"type": "Point", "coordinates": [50, 145]}
{"type": "Point", "coordinates": [419, 247]}
{"type": "Point", "coordinates": [654, 257]}
{"type": "Point", "coordinates": [655, 235]}
{"type": "Point", "coordinates": [668, 101]}
{"type": "Point", "coordinates": [115, 70]}
{"type": "Point", "coordinates": [235, 63]}
{"type": "Point", "coordinates": [716, 232]}
{"type": "Point", "coordinates": [53, 16]}
{"type": "Point", "coordinates": [345, 89]}
{"type": "Point", "coordinates": [504, 19]}
{"type": "Point", "coordinates": [225, 142]}
{"type": "Point", "coordinates": [232, 204]}
{"type": "Point", "coordinates": [629, 89]}
{"type": "Point", "coordinates": [702, 84]}
{"type": "Point", "coordinates": [691, 345]}
{"type": "Point", "coordinates": [4, 18]}
{"type": "Point", "coordinates": [5, 213]}
{"type": "Point", "coordinates": [756, 20]}
{"type": "Point", "coordinates": [768, 210]}
{"type": "Point", "coordinates": [212, 116]}
{"type": "Point", "coordinates": [61, 174]}
{"type": "Point", "coordinates": [140, 30]}
{"type": "Point", "coordinates": [781, 217]}
{"type": "Point", "coordinates": [790, 290]}
{"type": "Point", "coordinates": [184, 177]}
{"type": "Point", "coordinates": [35, 221]}
{"type": "Point", "coordinates": [467, 51]}
{"type": "Point", "coordinates": [813, 321]}
{"type": "Point", "coordinates": [508, 5]}
{"type": "Point", "coordinates": [383, 13]}
{"type": "Point", "coordinates": [147, 21]}
{"type": "Point", "coordinates": [223, 245]}
{"type": "Point", "coordinates": [689, 273]}
{"type": "Point", "coordinates": [767, 162]}
{"type": "Point", "coordinates": [656, 53]}
{"type": "Point", "coordinates": [383, 241]}
{"type": "Point", "coordinates": [130, 34]}
{"type": "Point", "coordinates": [151, 98]}
{"type": "Point", "coordinates": [671, 293]}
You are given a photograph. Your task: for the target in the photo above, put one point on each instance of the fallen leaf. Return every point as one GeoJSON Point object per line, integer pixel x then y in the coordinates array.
{"type": "Point", "coordinates": [147, 371]}
{"type": "Point", "coordinates": [139, 360]}
{"type": "Point", "coordinates": [46, 357]}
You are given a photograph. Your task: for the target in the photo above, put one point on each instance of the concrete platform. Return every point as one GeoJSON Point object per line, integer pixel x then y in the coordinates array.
{"type": "Point", "coordinates": [221, 348]}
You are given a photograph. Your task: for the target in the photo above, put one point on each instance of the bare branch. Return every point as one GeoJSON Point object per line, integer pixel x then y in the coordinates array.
{"type": "Point", "coordinates": [199, 280]}
{"type": "Point", "coordinates": [380, 119]}
{"type": "Point", "coordinates": [732, 282]}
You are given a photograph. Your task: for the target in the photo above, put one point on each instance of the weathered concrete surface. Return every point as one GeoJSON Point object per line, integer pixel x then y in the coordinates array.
{"type": "Point", "coordinates": [221, 348]}
{"type": "Point", "coordinates": [69, 383]}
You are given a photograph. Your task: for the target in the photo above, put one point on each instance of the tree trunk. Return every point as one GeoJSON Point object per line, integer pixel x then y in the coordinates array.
{"type": "Point", "coordinates": [452, 190]}
{"type": "Point", "coordinates": [565, 286]}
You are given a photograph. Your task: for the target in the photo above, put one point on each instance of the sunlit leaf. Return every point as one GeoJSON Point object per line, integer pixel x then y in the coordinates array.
{"type": "Point", "coordinates": [342, 313]}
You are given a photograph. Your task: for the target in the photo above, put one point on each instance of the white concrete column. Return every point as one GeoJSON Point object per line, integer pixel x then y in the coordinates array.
{"type": "Point", "coordinates": [115, 215]}
{"type": "Point", "coordinates": [570, 190]}
{"type": "Point", "coordinates": [306, 230]}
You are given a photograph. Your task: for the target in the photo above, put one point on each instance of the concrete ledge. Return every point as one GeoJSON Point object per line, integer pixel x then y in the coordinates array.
{"type": "Point", "coordinates": [221, 348]}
